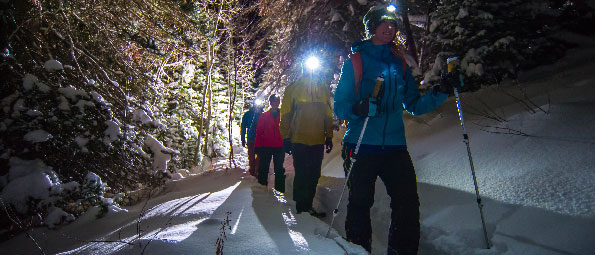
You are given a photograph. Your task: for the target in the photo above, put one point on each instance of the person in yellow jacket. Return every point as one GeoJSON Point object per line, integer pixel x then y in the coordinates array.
{"type": "Point", "coordinates": [306, 127]}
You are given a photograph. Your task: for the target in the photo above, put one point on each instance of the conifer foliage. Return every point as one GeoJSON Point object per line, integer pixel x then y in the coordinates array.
{"type": "Point", "coordinates": [120, 90]}
{"type": "Point", "coordinates": [493, 39]}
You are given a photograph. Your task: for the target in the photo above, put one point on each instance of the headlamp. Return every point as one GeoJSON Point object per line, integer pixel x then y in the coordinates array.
{"type": "Point", "coordinates": [312, 63]}
{"type": "Point", "coordinates": [391, 8]}
{"type": "Point", "coordinates": [258, 102]}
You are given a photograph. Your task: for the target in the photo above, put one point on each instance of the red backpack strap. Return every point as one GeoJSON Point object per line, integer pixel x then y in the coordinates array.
{"type": "Point", "coordinates": [404, 65]}
{"type": "Point", "coordinates": [356, 62]}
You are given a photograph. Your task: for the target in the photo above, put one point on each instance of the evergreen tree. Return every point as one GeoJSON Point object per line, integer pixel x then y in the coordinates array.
{"type": "Point", "coordinates": [493, 39]}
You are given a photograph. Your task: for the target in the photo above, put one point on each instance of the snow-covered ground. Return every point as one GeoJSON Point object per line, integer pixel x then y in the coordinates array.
{"type": "Point", "coordinates": [535, 171]}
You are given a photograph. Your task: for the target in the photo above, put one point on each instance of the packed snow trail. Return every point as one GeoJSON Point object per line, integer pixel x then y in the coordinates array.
{"type": "Point", "coordinates": [188, 218]}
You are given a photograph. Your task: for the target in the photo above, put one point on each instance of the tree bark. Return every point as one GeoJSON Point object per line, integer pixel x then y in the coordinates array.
{"type": "Point", "coordinates": [210, 56]}
{"type": "Point", "coordinates": [410, 43]}
{"type": "Point", "coordinates": [211, 44]}
{"type": "Point", "coordinates": [423, 44]}
{"type": "Point", "coordinates": [232, 99]}
{"type": "Point", "coordinates": [200, 130]}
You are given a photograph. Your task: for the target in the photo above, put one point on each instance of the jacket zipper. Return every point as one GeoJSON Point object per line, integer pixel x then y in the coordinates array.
{"type": "Point", "coordinates": [386, 119]}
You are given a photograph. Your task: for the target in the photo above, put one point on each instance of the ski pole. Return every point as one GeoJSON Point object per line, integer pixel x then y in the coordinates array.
{"type": "Point", "coordinates": [353, 157]}
{"type": "Point", "coordinates": [451, 63]}
{"type": "Point", "coordinates": [336, 210]}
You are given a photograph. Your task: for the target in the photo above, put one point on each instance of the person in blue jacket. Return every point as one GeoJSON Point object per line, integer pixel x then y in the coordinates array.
{"type": "Point", "coordinates": [248, 129]}
{"type": "Point", "coordinates": [383, 150]}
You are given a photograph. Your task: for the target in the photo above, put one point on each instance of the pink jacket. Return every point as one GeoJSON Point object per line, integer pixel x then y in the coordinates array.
{"type": "Point", "coordinates": [267, 131]}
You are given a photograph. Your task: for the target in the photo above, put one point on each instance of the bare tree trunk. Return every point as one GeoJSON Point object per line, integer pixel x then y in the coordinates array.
{"type": "Point", "coordinates": [423, 44]}
{"type": "Point", "coordinates": [211, 44]}
{"type": "Point", "coordinates": [232, 99]}
{"type": "Point", "coordinates": [210, 56]}
{"type": "Point", "coordinates": [202, 114]}
{"type": "Point", "coordinates": [410, 43]}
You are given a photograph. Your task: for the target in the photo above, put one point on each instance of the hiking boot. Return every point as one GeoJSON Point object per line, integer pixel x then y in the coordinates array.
{"type": "Point", "coordinates": [317, 214]}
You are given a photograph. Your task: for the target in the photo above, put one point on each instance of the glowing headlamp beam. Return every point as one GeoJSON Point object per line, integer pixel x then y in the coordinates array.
{"type": "Point", "coordinates": [312, 63]}
{"type": "Point", "coordinates": [391, 8]}
{"type": "Point", "coordinates": [258, 102]}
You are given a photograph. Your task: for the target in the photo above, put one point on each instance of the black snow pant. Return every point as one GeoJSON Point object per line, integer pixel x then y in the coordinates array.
{"type": "Point", "coordinates": [307, 161]}
{"type": "Point", "coordinates": [396, 171]}
{"type": "Point", "coordinates": [265, 154]}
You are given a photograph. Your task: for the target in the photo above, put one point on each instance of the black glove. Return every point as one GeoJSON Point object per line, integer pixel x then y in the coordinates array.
{"type": "Point", "coordinates": [361, 108]}
{"type": "Point", "coordinates": [287, 146]}
{"type": "Point", "coordinates": [243, 142]}
{"type": "Point", "coordinates": [329, 144]}
{"type": "Point", "coordinates": [448, 82]}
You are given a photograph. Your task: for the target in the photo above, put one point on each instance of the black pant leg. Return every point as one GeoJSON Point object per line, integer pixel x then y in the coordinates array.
{"type": "Point", "coordinates": [263, 168]}
{"type": "Point", "coordinates": [358, 226]}
{"type": "Point", "coordinates": [401, 185]}
{"type": "Point", "coordinates": [315, 155]}
{"type": "Point", "coordinates": [299, 180]}
{"type": "Point", "coordinates": [278, 159]}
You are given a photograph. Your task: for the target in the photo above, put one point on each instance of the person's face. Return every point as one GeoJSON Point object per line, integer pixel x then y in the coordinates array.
{"type": "Point", "coordinates": [385, 33]}
{"type": "Point", "coordinates": [275, 103]}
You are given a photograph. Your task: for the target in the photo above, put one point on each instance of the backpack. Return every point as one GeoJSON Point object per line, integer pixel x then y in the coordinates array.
{"type": "Point", "coordinates": [356, 62]}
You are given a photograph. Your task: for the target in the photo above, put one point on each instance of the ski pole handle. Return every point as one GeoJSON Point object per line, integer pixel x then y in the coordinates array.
{"type": "Point", "coordinates": [377, 86]}
{"type": "Point", "coordinates": [451, 66]}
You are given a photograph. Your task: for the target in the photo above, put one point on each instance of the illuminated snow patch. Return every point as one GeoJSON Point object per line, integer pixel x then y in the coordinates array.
{"type": "Point", "coordinates": [176, 233]}
{"type": "Point", "coordinates": [280, 197]}
{"type": "Point", "coordinates": [193, 205]}
{"type": "Point", "coordinates": [212, 202]}
{"type": "Point", "coordinates": [298, 238]}
{"type": "Point", "coordinates": [289, 219]}
{"type": "Point", "coordinates": [235, 226]}
{"type": "Point", "coordinates": [177, 206]}
{"type": "Point", "coordinates": [188, 212]}
{"type": "Point", "coordinates": [101, 248]}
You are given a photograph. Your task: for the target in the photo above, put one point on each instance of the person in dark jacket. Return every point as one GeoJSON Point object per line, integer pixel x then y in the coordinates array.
{"type": "Point", "coordinates": [247, 129]}
{"type": "Point", "coordinates": [383, 149]}
{"type": "Point", "coordinates": [269, 144]}
{"type": "Point", "coordinates": [245, 125]}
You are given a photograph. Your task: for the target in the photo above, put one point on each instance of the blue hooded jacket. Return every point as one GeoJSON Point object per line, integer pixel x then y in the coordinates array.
{"type": "Point", "coordinates": [399, 92]}
{"type": "Point", "coordinates": [253, 124]}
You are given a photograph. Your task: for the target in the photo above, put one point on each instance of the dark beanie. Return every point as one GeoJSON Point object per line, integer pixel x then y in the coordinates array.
{"type": "Point", "coordinates": [273, 97]}
{"type": "Point", "coordinates": [377, 15]}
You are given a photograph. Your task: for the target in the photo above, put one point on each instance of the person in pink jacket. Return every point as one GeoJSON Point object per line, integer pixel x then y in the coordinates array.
{"type": "Point", "coordinates": [269, 144]}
